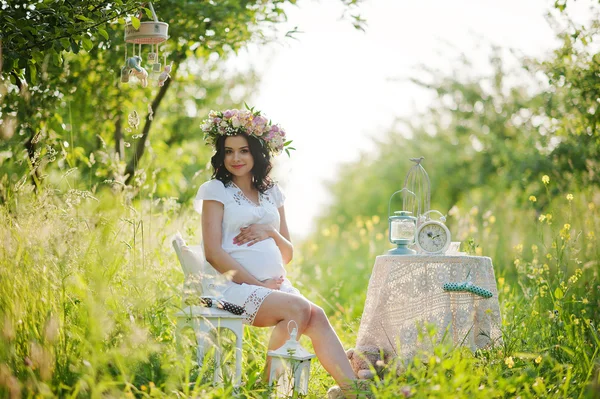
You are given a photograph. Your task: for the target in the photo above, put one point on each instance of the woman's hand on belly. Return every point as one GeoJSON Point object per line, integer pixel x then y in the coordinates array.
{"type": "Point", "coordinates": [252, 234]}
{"type": "Point", "coordinates": [273, 283]}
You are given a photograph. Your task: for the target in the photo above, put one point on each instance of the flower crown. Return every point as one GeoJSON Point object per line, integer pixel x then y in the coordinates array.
{"type": "Point", "coordinates": [233, 122]}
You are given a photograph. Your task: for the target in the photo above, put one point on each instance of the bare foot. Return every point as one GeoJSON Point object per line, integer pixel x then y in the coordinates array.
{"type": "Point", "coordinates": [357, 390]}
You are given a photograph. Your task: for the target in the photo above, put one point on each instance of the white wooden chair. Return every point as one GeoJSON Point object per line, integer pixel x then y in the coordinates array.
{"type": "Point", "coordinates": [206, 323]}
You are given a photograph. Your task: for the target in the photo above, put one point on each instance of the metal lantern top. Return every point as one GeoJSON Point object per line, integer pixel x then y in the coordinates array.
{"type": "Point", "coordinates": [417, 182]}
{"type": "Point", "coordinates": [292, 348]}
{"type": "Point", "coordinates": [149, 32]}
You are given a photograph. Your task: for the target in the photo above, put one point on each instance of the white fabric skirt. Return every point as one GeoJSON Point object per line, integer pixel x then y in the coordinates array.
{"type": "Point", "coordinates": [251, 297]}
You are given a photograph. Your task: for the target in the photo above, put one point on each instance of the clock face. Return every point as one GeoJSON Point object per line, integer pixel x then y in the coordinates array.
{"type": "Point", "coordinates": [433, 237]}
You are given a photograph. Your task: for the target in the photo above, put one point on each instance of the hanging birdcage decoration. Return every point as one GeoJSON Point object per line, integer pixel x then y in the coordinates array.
{"type": "Point", "coordinates": [417, 182]}
{"type": "Point", "coordinates": [150, 33]}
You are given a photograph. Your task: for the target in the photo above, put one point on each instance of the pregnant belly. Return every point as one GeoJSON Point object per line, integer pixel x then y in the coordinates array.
{"type": "Point", "coordinates": [262, 260]}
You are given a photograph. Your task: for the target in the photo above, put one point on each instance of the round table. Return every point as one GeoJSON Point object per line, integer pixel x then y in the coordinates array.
{"type": "Point", "coordinates": [405, 300]}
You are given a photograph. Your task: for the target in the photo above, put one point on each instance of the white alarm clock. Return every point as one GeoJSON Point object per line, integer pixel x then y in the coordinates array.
{"type": "Point", "coordinates": [432, 236]}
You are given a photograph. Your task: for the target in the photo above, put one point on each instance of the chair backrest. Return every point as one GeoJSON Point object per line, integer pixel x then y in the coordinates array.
{"type": "Point", "coordinates": [200, 276]}
{"type": "Point", "coordinates": [190, 257]}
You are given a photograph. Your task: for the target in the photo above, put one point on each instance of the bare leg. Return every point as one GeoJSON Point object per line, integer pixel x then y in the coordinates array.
{"type": "Point", "coordinates": [279, 308]}
{"type": "Point", "coordinates": [328, 347]}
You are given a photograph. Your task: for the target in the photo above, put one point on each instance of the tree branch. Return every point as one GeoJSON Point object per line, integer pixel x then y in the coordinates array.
{"type": "Point", "coordinates": [119, 143]}
{"type": "Point", "coordinates": [141, 144]}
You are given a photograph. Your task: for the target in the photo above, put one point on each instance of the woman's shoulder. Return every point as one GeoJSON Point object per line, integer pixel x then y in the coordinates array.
{"type": "Point", "coordinates": [213, 183]}
{"type": "Point", "coordinates": [212, 190]}
{"type": "Point", "coordinates": [277, 194]}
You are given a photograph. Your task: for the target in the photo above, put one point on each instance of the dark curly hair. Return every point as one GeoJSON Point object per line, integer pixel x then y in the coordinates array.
{"type": "Point", "coordinates": [262, 163]}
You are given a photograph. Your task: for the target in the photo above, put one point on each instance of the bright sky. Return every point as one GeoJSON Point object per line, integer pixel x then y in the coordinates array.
{"type": "Point", "coordinates": [331, 89]}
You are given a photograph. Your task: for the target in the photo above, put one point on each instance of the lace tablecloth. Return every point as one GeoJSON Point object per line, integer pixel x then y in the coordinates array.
{"type": "Point", "coordinates": [405, 295]}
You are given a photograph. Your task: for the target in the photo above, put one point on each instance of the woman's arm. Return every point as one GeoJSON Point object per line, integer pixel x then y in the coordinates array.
{"type": "Point", "coordinates": [282, 238]}
{"type": "Point", "coordinates": [212, 218]}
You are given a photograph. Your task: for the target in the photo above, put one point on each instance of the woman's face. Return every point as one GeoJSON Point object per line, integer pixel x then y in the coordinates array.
{"type": "Point", "coordinates": [238, 159]}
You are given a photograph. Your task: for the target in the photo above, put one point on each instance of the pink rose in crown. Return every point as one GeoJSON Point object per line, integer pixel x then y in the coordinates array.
{"type": "Point", "coordinates": [275, 129]}
{"type": "Point", "coordinates": [228, 114]}
{"type": "Point", "coordinates": [258, 125]}
{"type": "Point", "coordinates": [235, 121]}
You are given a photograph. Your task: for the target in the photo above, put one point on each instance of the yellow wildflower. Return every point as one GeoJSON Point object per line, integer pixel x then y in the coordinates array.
{"type": "Point", "coordinates": [532, 198]}
{"type": "Point", "coordinates": [569, 197]}
{"type": "Point", "coordinates": [545, 179]}
{"type": "Point", "coordinates": [565, 233]}
{"type": "Point", "coordinates": [509, 362]}
{"type": "Point", "coordinates": [144, 388]}
{"type": "Point", "coordinates": [538, 359]}
{"type": "Point", "coordinates": [585, 301]}
{"type": "Point", "coordinates": [542, 218]}
{"type": "Point", "coordinates": [492, 219]}
{"type": "Point", "coordinates": [501, 281]}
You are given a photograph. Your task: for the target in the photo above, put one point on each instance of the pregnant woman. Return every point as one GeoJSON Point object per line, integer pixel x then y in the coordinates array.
{"type": "Point", "coordinates": [246, 237]}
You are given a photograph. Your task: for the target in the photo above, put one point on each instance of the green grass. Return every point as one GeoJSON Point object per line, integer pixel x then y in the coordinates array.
{"type": "Point", "coordinates": [89, 288]}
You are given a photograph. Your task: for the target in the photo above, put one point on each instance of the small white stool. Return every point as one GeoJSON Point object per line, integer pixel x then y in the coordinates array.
{"type": "Point", "coordinates": [207, 323]}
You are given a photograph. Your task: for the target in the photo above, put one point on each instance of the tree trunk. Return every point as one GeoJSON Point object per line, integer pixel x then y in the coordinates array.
{"type": "Point", "coordinates": [119, 142]}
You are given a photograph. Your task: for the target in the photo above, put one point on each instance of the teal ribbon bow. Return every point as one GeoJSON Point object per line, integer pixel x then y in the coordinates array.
{"type": "Point", "coordinates": [468, 287]}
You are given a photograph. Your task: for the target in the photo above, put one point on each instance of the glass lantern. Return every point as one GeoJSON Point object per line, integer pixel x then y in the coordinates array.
{"type": "Point", "coordinates": [402, 226]}
{"type": "Point", "coordinates": [290, 367]}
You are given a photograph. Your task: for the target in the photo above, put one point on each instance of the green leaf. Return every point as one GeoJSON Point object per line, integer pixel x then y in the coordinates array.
{"type": "Point", "coordinates": [288, 142]}
{"type": "Point", "coordinates": [149, 14]}
{"type": "Point", "coordinates": [558, 294]}
{"type": "Point", "coordinates": [57, 58]}
{"type": "Point", "coordinates": [65, 43]}
{"type": "Point", "coordinates": [74, 47]}
{"type": "Point", "coordinates": [83, 18]}
{"type": "Point", "coordinates": [87, 44]}
{"type": "Point", "coordinates": [135, 22]}
{"type": "Point", "coordinates": [103, 33]}
{"type": "Point", "coordinates": [32, 73]}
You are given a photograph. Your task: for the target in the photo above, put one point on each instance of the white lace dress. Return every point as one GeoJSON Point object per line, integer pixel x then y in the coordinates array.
{"type": "Point", "coordinates": [263, 259]}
